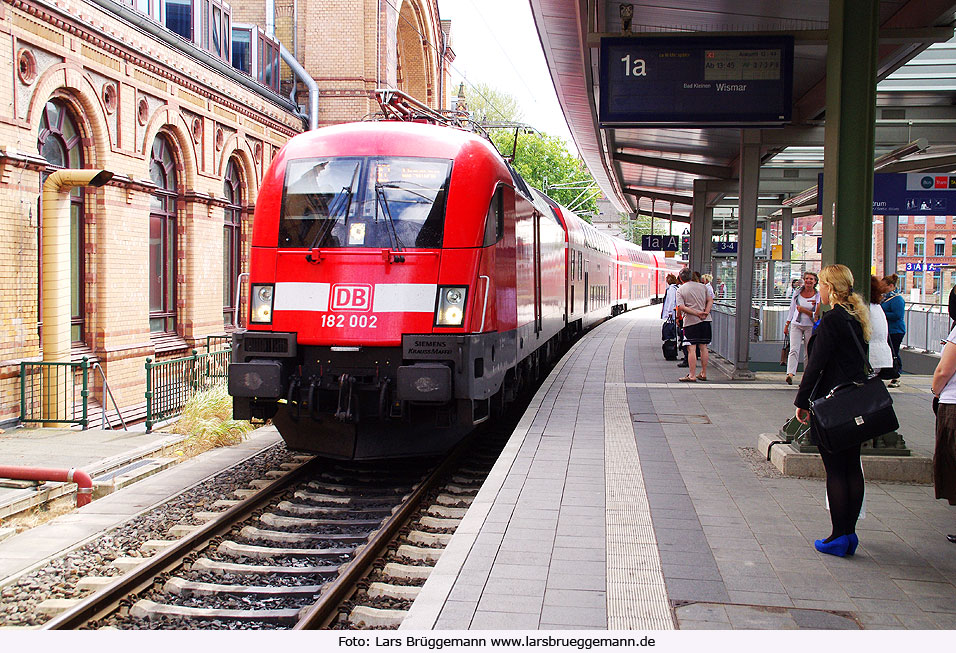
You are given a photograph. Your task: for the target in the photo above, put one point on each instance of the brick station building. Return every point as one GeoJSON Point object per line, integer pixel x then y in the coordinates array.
{"type": "Point", "coordinates": [156, 253]}
{"type": "Point", "coordinates": [934, 236]}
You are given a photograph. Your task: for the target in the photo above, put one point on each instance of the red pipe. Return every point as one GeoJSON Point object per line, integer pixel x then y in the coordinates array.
{"type": "Point", "coordinates": [84, 493]}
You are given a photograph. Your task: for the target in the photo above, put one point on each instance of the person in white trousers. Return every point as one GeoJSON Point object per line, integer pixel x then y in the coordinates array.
{"type": "Point", "coordinates": [881, 356]}
{"type": "Point", "coordinates": [804, 311]}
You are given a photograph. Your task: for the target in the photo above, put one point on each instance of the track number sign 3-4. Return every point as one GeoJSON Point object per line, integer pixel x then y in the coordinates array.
{"type": "Point", "coordinates": [696, 81]}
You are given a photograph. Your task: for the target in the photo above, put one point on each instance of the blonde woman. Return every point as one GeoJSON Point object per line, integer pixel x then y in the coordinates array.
{"type": "Point", "coordinates": [834, 359]}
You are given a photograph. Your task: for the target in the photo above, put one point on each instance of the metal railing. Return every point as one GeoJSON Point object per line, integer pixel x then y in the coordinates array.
{"type": "Point", "coordinates": [724, 330]}
{"type": "Point", "coordinates": [170, 384]}
{"type": "Point", "coordinates": [221, 341]}
{"type": "Point", "coordinates": [926, 325]}
{"type": "Point", "coordinates": [55, 393]}
{"type": "Point", "coordinates": [105, 424]}
{"type": "Point", "coordinates": [237, 305]}
{"type": "Point", "coordinates": [767, 319]}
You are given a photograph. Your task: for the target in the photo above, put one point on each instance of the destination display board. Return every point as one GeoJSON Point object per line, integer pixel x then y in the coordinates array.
{"type": "Point", "coordinates": [731, 81]}
{"type": "Point", "coordinates": [914, 193]}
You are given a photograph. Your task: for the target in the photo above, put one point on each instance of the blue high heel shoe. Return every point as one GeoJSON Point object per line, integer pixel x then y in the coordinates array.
{"type": "Point", "coordinates": [854, 542]}
{"type": "Point", "coordinates": [835, 547]}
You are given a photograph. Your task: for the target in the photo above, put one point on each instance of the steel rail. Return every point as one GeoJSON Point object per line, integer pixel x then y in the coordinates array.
{"type": "Point", "coordinates": [319, 615]}
{"type": "Point", "coordinates": [102, 602]}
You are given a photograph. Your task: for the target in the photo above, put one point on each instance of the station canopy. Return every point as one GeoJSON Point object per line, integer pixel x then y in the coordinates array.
{"type": "Point", "coordinates": [637, 165]}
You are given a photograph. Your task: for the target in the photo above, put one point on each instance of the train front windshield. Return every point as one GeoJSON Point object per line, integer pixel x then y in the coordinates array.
{"type": "Point", "coordinates": [393, 202]}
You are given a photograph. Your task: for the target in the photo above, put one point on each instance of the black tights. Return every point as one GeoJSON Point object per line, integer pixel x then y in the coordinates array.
{"type": "Point", "coordinates": [844, 489]}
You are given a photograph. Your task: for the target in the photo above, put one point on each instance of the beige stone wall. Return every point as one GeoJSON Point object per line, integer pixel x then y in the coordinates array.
{"type": "Point", "coordinates": [352, 47]}
{"type": "Point", "coordinates": [207, 116]}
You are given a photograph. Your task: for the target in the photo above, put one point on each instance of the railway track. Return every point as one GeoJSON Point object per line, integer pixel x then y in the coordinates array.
{"type": "Point", "coordinates": [384, 596]}
{"type": "Point", "coordinates": [324, 545]}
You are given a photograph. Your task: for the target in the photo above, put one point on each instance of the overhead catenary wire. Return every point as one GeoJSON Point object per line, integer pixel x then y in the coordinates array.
{"type": "Point", "coordinates": [584, 195]}
{"type": "Point", "coordinates": [502, 48]}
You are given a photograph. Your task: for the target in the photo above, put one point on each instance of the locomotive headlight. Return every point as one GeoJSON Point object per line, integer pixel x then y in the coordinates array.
{"type": "Point", "coordinates": [450, 309]}
{"type": "Point", "coordinates": [262, 297]}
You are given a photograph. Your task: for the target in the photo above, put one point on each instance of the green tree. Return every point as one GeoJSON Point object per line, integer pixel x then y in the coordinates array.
{"type": "Point", "coordinates": [489, 105]}
{"type": "Point", "coordinates": [634, 229]}
{"type": "Point", "coordinates": [543, 161]}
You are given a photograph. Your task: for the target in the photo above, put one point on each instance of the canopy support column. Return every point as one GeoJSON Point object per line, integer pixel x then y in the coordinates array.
{"type": "Point", "coordinates": [749, 187]}
{"type": "Point", "coordinates": [852, 49]}
{"type": "Point", "coordinates": [891, 231]}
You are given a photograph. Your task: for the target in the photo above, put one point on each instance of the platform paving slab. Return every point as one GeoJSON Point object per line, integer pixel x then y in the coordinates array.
{"type": "Point", "coordinates": [725, 528]}
{"type": "Point", "coordinates": [95, 452]}
{"type": "Point", "coordinates": [34, 547]}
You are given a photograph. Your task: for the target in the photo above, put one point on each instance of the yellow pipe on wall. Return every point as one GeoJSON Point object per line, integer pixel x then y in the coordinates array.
{"type": "Point", "coordinates": [55, 306]}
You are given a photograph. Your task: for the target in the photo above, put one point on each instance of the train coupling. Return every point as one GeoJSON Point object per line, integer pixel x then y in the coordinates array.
{"type": "Point", "coordinates": [343, 411]}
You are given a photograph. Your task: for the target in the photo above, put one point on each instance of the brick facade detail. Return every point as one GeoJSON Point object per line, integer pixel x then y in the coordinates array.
{"type": "Point", "coordinates": [123, 88]}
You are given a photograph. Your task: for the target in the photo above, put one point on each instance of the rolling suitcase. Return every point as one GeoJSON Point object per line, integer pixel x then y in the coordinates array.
{"type": "Point", "coordinates": [669, 336]}
{"type": "Point", "coordinates": [669, 347]}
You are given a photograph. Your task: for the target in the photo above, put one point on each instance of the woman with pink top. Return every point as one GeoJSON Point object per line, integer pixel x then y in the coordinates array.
{"type": "Point", "coordinates": [804, 311]}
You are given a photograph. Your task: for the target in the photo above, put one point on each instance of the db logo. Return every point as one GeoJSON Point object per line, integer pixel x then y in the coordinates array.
{"type": "Point", "coordinates": [351, 297]}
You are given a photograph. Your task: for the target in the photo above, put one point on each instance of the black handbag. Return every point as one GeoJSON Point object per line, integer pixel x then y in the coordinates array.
{"type": "Point", "coordinates": [852, 413]}
{"type": "Point", "coordinates": [669, 330]}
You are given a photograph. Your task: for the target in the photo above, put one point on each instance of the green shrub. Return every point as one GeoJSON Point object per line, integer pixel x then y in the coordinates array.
{"type": "Point", "coordinates": [207, 421]}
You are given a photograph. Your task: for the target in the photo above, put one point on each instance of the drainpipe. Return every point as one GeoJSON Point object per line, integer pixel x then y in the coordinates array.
{"type": "Point", "coordinates": [84, 492]}
{"type": "Point", "coordinates": [306, 79]}
{"type": "Point", "coordinates": [55, 308]}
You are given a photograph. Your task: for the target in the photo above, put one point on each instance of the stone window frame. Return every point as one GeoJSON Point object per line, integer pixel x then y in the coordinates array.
{"type": "Point", "coordinates": [58, 119]}
{"type": "Point", "coordinates": [234, 192]}
{"type": "Point", "coordinates": [164, 205]}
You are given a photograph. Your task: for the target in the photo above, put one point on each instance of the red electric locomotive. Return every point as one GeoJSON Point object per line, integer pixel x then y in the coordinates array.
{"type": "Point", "coordinates": [406, 283]}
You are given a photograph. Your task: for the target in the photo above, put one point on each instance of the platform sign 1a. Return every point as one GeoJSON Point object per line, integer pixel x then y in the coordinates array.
{"type": "Point", "coordinates": [918, 193]}
{"type": "Point", "coordinates": [660, 243]}
{"type": "Point", "coordinates": [695, 81]}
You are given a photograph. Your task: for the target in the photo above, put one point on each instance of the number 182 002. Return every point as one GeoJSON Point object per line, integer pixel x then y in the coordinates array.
{"type": "Point", "coordinates": [339, 321]}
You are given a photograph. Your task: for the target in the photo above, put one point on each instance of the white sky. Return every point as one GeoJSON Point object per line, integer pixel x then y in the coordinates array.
{"type": "Point", "coordinates": [495, 42]}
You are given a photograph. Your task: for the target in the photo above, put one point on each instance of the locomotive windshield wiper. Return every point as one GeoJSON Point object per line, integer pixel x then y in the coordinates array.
{"type": "Point", "coordinates": [334, 214]}
{"type": "Point", "coordinates": [389, 221]}
{"type": "Point", "coordinates": [401, 185]}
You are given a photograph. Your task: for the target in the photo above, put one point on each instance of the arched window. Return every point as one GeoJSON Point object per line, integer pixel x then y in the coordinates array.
{"type": "Point", "coordinates": [162, 239]}
{"type": "Point", "coordinates": [415, 72]}
{"type": "Point", "coordinates": [58, 142]}
{"type": "Point", "coordinates": [231, 240]}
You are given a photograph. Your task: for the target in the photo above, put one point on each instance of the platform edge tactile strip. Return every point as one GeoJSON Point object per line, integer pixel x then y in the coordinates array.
{"type": "Point", "coordinates": [631, 605]}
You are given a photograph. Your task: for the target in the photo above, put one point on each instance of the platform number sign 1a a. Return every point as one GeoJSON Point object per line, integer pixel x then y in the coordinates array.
{"type": "Point", "coordinates": [660, 243]}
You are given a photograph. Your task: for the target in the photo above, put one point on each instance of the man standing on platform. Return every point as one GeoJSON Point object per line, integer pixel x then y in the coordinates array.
{"type": "Point", "coordinates": [694, 304]}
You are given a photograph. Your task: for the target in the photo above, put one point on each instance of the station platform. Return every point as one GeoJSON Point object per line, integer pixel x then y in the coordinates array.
{"type": "Point", "coordinates": [627, 500]}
